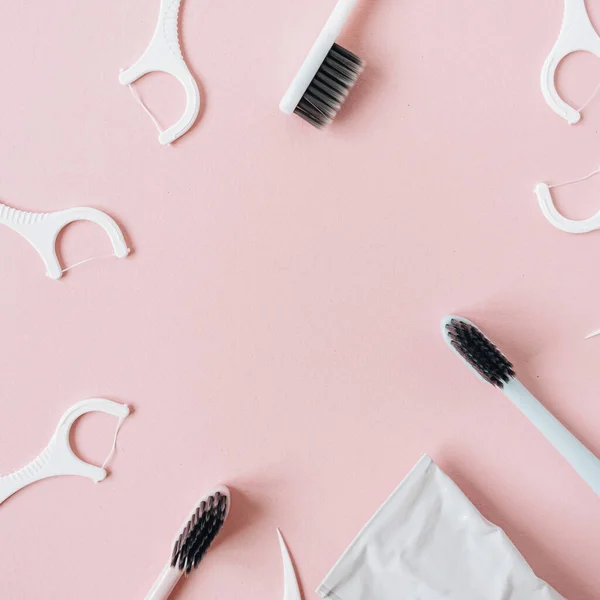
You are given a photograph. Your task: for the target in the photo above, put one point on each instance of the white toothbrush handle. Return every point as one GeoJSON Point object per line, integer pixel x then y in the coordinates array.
{"type": "Point", "coordinates": [577, 455]}
{"type": "Point", "coordinates": [337, 19]}
{"type": "Point", "coordinates": [165, 583]}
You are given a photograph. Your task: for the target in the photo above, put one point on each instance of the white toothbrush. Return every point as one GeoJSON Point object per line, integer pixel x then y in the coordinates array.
{"type": "Point", "coordinates": [327, 74]}
{"type": "Point", "coordinates": [193, 541]}
{"type": "Point", "coordinates": [493, 367]}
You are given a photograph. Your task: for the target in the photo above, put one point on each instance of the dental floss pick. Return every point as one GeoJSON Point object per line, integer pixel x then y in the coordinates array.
{"type": "Point", "coordinates": [164, 54]}
{"type": "Point", "coordinates": [58, 457]}
{"type": "Point", "coordinates": [576, 34]}
{"type": "Point", "coordinates": [41, 231]}
{"type": "Point", "coordinates": [550, 212]}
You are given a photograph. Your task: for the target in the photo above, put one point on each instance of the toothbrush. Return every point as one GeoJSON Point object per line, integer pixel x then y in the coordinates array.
{"type": "Point", "coordinates": [193, 541]}
{"type": "Point", "coordinates": [327, 74]}
{"type": "Point", "coordinates": [493, 367]}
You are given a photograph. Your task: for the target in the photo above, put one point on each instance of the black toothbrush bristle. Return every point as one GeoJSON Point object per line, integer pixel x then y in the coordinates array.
{"type": "Point", "coordinates": [199, 532]}
{"type": "Point", "coordinates": [330, 86]}
{"type": "Point", "coordinates": [480, 353]}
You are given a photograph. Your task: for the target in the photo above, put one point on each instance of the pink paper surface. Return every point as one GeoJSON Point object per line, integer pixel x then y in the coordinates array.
{"type": "Point", "coordinates": [277, 326]}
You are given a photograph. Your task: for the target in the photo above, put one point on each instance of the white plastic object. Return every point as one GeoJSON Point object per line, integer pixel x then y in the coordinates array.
{"type": "Point", "coordinates": [164, 54]}
{"type": "Point", "coordinates": [58, 457]}
{"type": "Point", "coordinates": [42, 229]}
{"type": "Point", "coordinates": [317, 55]}
{"type": "Point", "coordinates": [170, 576]}
{"type": "Point", "coordinates": [544, 196]}
{"type": "Point", "coordinates": [584, 462]}
{"type": "Point", "coordinates": [576, 34]}
{"type": "Point", "coordinates": [291, 590]}
{"type": "Point", "coordinates": [428, 541]}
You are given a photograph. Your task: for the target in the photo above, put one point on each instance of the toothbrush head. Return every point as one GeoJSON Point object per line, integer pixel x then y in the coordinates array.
{"type": "Point", "coordinates": [477, 351]}
{"type": "Point", "coordinates": [322, 85]}
{"type": "Point", "coordinates": [200, 530]}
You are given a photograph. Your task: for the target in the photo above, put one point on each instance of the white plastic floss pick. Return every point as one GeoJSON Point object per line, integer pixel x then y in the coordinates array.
{"type": "Point", "coordinates": [291, 590]}
{"type": "Point", "coordinates": [316, 56]}
{"type": "Point", "coordinates": [163, 54]}
{"type": "Point", "coordinates": [41, 231]}
{"type": "Point", "coordinates": [58, 457]}
{"type": "Point", "coordinates": [576, 34]}
{"type": "Point", "coordinates": [549, 210]}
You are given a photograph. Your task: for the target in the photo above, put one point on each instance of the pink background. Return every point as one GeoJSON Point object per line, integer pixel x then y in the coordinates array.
{"type": "Point", "coordinates": [276, 328]}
